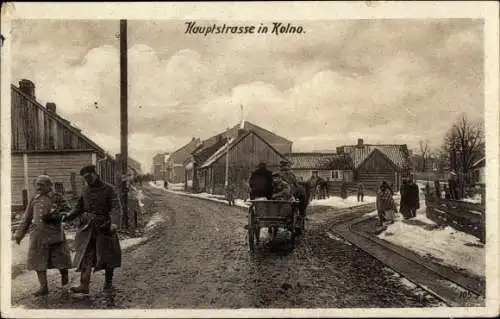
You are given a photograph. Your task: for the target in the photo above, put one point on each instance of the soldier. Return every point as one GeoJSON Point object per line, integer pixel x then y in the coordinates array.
{"type": "Point", "coordinates": [97, 244]}
{"type": "Point", "coordinates": [288, 176]}
{"type": "Point", "coordinates": [281, 189]}
{"type": "Point", "coordinates": [48, 248]}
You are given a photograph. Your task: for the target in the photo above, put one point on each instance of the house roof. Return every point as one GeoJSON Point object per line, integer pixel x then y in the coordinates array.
{"type": "Point", "coordinates": [65, 123]}
{"type": "Point", "coordinates": [208, 148]}
{"type": "Point", "coordinates": [269, 136]}
{"type": "Point", "coordinates": [396, 153]}
{"type": "Point", "coordinates": [320, 161]}
{"type": "Point", "coordinates": [233, 141]}
{"type": "Point", "coordinates": [183, 153]}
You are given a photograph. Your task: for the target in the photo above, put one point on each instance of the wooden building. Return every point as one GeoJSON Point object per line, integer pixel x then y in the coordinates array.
{"type": "Point", "coordinates": [195, 179]}
{"type": "Point", "coordinates": [176, 162]}
{"type": "Point", "coordinates": [45, 143]}
{"type": "Point", "coordinates": [329, 166]}
{"type": "Point", "coordinates": [245, 151]}
{"type": "Point", "coordinates": [159, 168]}
{"type": "Point", "coordinates": [373, 164]}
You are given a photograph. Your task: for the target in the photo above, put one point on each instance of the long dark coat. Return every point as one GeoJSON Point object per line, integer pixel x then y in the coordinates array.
{"type": "Point", "coordinates": [410, 196]}
{"type": "Point", "coordinates": [48, 248]}
{"type": "Point", "coordinates": [100, 207]}
{"type": "Point", "coordinates": [261, 183]}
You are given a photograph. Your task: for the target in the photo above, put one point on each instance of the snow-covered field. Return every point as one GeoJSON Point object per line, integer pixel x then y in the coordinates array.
{"type": "Point", "coordinates": [338, 202]}
{"type": "Point", "coordinates": [445, 245]}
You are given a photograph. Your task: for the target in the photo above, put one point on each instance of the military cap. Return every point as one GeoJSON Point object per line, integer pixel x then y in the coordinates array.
{"type": "Point", "coordinates": [87, 169]}
{"type": "Point", "coordinates": [43, 179]}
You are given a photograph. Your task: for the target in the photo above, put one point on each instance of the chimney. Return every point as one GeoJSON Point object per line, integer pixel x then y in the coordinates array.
{"type": "Point", "coordinates": [51, 107]}
{"type": "Point", "coordinates": [360, 142]}
{"type": "Point", "coordinates": [27, 87]}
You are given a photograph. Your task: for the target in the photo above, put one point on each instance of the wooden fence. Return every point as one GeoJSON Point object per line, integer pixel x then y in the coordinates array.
{"type": "Point", "coordinates": [466, 217]}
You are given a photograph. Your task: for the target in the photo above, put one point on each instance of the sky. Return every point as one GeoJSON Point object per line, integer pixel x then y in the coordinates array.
{"type": "Point", "coordinates": [386, 81]}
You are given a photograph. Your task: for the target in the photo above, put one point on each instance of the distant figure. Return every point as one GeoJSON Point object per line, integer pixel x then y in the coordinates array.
{"type": "Point", "coordinates": [343, 190]}
{"type": "Point", "coordinates": [230, 194]}
{"type": "Point", "coordinates": [261, 182]}
{"type": "Point", "coordinates": [403, 204]}
{"type": "Point", "coordinates": [453, 185]}
{"type": "Point", "coordinates": [165, 184]}
{"type": "Point", "coordinates": [313, 185]}
{"type": "Point", "coordinates": [386, 207]}
{"type": "Point", "coordinates": [412, 197]}
{"type": "Point", "coordinates": [361, 192]}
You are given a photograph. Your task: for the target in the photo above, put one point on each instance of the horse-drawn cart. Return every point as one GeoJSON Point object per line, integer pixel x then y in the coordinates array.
{"type": "Point", "coordinates": [273, 214]}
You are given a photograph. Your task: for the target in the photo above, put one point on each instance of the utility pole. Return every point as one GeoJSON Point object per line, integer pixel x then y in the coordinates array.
{"type": "Point", "coordinates": [227, 159]}
{"type": "Point", "coordinates": [124, 119]}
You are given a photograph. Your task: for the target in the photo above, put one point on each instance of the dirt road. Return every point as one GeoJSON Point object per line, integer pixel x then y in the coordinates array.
{"type": "Point", "coordinates": [196, 257]}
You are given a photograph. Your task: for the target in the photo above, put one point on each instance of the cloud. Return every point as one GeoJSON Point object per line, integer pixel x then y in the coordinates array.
{"type": "Point", "coordinates": [391, 81]}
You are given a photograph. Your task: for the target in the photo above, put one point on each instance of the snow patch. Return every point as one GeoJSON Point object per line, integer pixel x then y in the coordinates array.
{"type": "Point", "coordinates": [338, 202]}
{"type": "Point", "coordinates": [155, 219]}
{"type": "Point", "coordinates": [444, 245]}
{"type": "Point", "coordinates": [129, 242]}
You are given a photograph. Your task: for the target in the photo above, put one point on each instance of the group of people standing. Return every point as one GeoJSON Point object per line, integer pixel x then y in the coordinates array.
{"type": "Point", "coordinates": [386, 206]}
{"type": "Point", "coordinates": [97, 243]}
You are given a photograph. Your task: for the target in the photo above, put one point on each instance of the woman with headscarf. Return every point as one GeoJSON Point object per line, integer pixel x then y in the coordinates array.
{"type": "Point", "coordinates": [386, 207]}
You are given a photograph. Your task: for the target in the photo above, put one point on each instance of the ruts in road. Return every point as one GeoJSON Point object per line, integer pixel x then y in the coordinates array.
{"type": "Point", "coordinates": [196, 256]}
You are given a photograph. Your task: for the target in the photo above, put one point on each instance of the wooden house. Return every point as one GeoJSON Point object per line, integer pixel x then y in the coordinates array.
{"type": "Point", "coordinates": [373, 164]}
{"type": "Point", "coordinates": [196, 177]}
{"type": "Point", "coordinates": [159, 169]}
{"type": "Point", "coordinates": [329, 166]}
{"type": "Point", "coordinates": [45, 143]}
{"type": "Point", "coordinates": [244, 151]}
{"type": "Point", "coordinates": [478, 171]}
{"type": "Point", "coordinates": [176, 162]}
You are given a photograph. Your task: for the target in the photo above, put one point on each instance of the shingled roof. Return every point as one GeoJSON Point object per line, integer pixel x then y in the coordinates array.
{"type": "Point", "coordinates": [396, 153]}
{"type": "Point", "coordinates": [320, 161]}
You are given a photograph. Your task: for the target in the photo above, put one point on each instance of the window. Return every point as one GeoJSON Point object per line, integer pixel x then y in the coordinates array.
{"type": "Point", "coordinates": [337, 175]}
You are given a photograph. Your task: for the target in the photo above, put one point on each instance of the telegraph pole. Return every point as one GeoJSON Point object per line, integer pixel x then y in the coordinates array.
{"type": "Point", "coordinates": [124, 119]}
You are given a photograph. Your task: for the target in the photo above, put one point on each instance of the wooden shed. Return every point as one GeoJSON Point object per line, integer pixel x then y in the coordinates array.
{"type": "Point", "coordinates": [45, 143]}
{"type": "Point", "coordinates": [245, 151]}
{"type": "Point", "coordinates": [374, 163]}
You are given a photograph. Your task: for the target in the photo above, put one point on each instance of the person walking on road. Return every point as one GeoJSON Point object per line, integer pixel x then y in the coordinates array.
{"type": "Point", "coordinates": [97, 243]}
{"type": "Point", "coordinates": [386, 207]}
{"type": "Point", "coordinates": [361, 192]}
{"type": "Point", "coordinates": [48, 248]}
{"type": "Point", "coordinates": [413, 197]}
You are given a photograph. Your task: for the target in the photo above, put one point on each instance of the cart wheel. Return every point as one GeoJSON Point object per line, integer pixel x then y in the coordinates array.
{"type": "Point", "coordinates": [251, 229]}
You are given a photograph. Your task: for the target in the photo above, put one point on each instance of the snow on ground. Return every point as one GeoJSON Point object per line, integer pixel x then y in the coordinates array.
{"type": "Point", "coordinates": [212, 197]}
{"type": "Point", "coordinates": [446, 245]}
{"type": "Point", "coordinates": [176, 187]}
{"type": "Point", "coordinates": [338, 202]}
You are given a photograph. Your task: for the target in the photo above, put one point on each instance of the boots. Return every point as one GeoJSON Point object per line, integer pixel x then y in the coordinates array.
{"type": "Point", "coordinates": [64, 277]}
{"type": "Point", "coordinates": [44, 288]}
{"type": "Point", "coordinates": [84, 282]}
{"type": "Point", "coordinates": [108, 281]}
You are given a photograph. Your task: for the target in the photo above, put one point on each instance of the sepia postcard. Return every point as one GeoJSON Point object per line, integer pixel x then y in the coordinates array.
{"type": "Point", "coordinates": [249, 159]}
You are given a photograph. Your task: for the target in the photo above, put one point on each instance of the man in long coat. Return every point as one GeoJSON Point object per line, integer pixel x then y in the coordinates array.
{"type": "Point", "coordinates": [413, 197]}
{"type": "Point", "coordinates": [261, 182]}
{"type": "Point", "coordinates": [48, 248]}
{"type": "Point", "coordinates": [97, 244]}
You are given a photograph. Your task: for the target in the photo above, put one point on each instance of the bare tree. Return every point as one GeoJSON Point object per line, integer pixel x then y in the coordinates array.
{"type": "Point", "coordinates": [464, 144]}
{"type": "Point", "coordinates": [425, 152]}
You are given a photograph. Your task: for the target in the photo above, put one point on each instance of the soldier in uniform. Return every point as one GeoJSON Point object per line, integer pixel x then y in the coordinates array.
{"type": "Point", "coordinates": [288, 176]}
{"type": "Point", "coordinates": [97, 243]}
{"type": "Point", "coordinates": [48, 248]}
{"type": "Point", "coordinates": [281, 189]}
